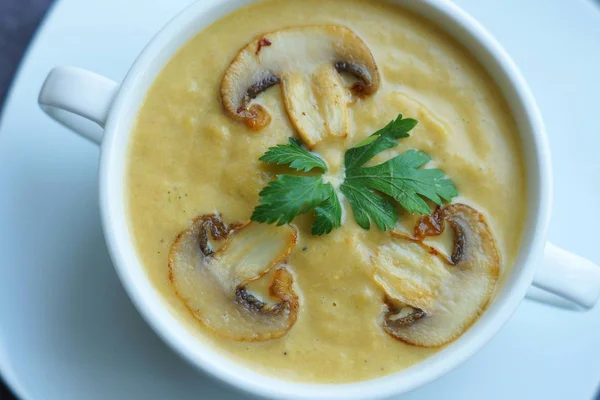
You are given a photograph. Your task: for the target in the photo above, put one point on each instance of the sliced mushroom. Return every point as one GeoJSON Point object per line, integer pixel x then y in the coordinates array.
{"type": "Point", "coordinates": [431, 299]}
{"type": "Point", "coordinates": [210, 265]}
{"type": "Point", "coordinates": [307, 62]}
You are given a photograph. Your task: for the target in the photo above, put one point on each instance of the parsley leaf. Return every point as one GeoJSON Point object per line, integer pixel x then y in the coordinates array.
{"type": "Point", "coordinates": [368, 205]}
{"type": "Point", "coordinates": [288, 196]}
{"type": "Point", "coordinates": [399, 178]}
{"type": "Point", "coordinates": [295, 155]}
{"type": "Point", "coordinates": [381, 140]}
{"type": "Point", "coordinates": [372, 191]}
{"type": "Point", "coordinates": [328, 213]}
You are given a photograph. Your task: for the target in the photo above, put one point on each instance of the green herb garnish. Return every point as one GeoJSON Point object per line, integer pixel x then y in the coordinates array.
{"type": "Point", "coordinates": [371, 191]}
{"type": "Point", "coordinates": [295, 155]}
{"type": "Point", "coordinates": [399, 178]}
{"type": "Point", "coordinates": [288, 196]}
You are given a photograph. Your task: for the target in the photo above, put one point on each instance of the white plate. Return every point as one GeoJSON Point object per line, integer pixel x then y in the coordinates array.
{"type": "Point", "coordinates": [67, 329]}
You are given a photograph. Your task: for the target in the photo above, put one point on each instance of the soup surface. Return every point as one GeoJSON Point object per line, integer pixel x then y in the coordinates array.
{"type": "Point", "coordinates": [188, 157]}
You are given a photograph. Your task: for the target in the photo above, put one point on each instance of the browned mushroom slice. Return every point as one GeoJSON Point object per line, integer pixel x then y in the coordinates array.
{"type": "Point", "coordinates": [307, 62]}
{"type": "Point", "coordinates": [431, 299]}
{"type": "Point", "coordinates": [210, 265]}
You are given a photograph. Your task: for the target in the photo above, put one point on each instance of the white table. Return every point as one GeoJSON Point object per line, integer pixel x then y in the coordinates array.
{"type": "Point", "coordinates": [67, 329]}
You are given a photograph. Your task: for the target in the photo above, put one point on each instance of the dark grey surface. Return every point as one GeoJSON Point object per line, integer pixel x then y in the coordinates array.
{"type": "Point", "coordinates": [18, 21]}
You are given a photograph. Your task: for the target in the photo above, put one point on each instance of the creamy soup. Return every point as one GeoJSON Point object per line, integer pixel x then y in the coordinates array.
{"type": "Point", "coordinates": [189, 157]}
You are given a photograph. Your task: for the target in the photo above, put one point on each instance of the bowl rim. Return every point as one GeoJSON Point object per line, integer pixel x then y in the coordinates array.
{"type": "Point", "coordinates": [455, 22]}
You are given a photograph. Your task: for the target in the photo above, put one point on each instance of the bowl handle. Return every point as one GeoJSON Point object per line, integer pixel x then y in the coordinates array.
{"type": "Point", "coordinates": [78, 99]}
{"type": "Point", "coordinates": [569, 277]}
